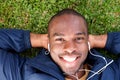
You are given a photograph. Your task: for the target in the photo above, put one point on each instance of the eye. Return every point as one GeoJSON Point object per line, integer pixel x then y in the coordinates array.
{"type": "Point", "coordinates": [60, 40]}
{"type": "Point", "coordinates": [79, 39]}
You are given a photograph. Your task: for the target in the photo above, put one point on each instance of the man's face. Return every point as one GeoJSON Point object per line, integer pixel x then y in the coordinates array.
{"type": "Point", "coordinates": [68, 42]}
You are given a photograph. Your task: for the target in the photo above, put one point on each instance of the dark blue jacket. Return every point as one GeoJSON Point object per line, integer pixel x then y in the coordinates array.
{"type": "Point", "coordinates": [41, 67]}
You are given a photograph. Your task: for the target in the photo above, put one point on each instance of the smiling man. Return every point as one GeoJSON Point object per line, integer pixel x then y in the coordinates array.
{"type": "Point", "coordinates": [69, 47]}
{"type": "Point", "coordinates": [68, 39]}
{"type": "Point", "coordinates": [70, 55]}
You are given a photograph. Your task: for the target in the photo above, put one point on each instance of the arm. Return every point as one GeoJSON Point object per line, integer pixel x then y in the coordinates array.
{"type": "Point", "coordinates": [110, 41]}
{"type": "Point", "coordinates": [12, 39]}
{"type": "Point", "coordinates": [11, 64]}
{"type": "Point", "coordinates": [20, 40]}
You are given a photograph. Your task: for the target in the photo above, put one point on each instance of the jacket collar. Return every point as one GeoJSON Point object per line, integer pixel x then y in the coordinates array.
{"type": "Point", "coordinates": [43, 62]}
{"type": "Point", "coordinates": [98, 62]}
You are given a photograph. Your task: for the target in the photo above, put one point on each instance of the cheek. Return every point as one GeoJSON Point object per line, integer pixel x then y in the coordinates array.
{"type": "Point", "coordinates": [55, 52]}
{"type": "Point", "coordinates": [83, 48]}
{"type": "Point", "coordinates": [56, 48]}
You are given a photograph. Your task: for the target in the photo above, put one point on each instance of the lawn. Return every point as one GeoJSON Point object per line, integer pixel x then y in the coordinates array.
{"type": "Point", "coordinates": [102, 15]}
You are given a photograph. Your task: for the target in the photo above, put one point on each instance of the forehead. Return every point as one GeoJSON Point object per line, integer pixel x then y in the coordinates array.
{"type": "Point", "coordinates": [67, 24]}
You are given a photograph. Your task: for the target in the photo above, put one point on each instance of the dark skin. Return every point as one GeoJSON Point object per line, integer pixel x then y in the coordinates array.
{"type": "Point", "coordinates": [68, 41]}
{"type": "Point", "coordinates": [97, 41]}
{"type": "Point", "coordinates": [41, 40]}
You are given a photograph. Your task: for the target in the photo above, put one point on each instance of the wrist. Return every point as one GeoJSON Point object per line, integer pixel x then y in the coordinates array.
{"type": "Point", "coordinates": [92, 41]}
{"type": "Point", "coordinates": [43, 38]}
{"type": "Point", "coordinates": [98, 41]}
{"type": "Point", "coordinates": [38, 40]}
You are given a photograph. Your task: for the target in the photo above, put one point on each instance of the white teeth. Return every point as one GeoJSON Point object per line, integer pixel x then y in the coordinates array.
{"type": "Point", "coordinates": [69, 59]}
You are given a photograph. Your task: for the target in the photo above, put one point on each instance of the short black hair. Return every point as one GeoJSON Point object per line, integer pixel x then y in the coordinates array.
{"type": "Point", "coordinates": [68, 11]}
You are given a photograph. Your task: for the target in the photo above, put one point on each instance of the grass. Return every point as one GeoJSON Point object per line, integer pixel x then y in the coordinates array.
{"type": "Point", "coordinates": [102, 15]}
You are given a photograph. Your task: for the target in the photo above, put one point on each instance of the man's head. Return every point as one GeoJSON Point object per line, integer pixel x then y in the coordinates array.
{"type": "Point", "coordinates": [68, 38]}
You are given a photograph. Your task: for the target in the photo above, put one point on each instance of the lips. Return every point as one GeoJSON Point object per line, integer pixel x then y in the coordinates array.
{"type": "Point", "coordinates": [69, 58]}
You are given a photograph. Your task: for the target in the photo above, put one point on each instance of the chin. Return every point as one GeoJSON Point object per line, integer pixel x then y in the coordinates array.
{"type": "Point", "coordinates": [70, 71]}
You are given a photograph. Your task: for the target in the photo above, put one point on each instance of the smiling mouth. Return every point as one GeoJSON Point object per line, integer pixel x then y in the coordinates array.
{"type": "Point", "coordinates": [69, 58]}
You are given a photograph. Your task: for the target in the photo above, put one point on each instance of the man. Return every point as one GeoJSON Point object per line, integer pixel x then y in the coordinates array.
{"type": "Point", "coordinates": [68, 38]}
{"type": "Point", "coordinates": [68, 58]}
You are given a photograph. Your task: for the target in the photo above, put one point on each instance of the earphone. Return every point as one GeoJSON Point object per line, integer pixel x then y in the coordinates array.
{"type": "Point", "coordinates": [96, 55]}
{"type": "Point", "coordinates": [48, 47]}
{"type": "Point", "coordinates": [47, 51]}
{"type": "Point", "coordinates": [94, 73]}
{"type": "Point", "coordinates": [103, 68]}
{"type": "Point", "coordinates": [89, 45]}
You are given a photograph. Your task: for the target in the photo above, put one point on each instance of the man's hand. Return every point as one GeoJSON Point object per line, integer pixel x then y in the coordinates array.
{"type": "Point", "coordinates": [39, 40]}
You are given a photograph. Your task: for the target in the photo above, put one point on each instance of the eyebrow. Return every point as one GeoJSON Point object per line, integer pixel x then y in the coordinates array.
{"type": "Point", "coordinates": [60, 34]}
{"type": "Point", "coordinates": [80, 33]}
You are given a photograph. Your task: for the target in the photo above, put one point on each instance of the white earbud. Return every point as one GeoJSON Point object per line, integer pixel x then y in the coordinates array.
{"type": "Point", "coordinates": [89, 46]}
{"type": "Point", "coordinates": [47, 51]}
{"type": "Point", "coordinates": [49, 47]}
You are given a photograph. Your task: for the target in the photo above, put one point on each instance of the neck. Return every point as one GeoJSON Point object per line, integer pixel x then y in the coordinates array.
{"type": "Point", "coordinates": [75, 76]}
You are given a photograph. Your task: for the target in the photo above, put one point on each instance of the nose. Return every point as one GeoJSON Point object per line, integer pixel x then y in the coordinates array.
{"type": "Point", "coordinates": [70, 47]}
